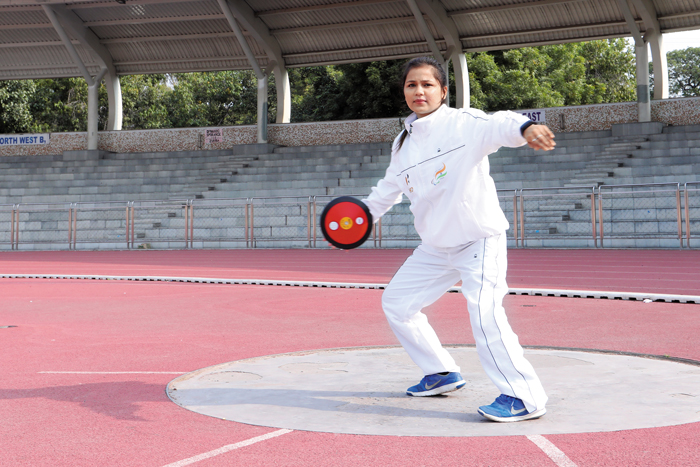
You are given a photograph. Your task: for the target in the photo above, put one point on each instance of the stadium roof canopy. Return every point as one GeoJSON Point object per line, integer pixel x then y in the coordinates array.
{"type": "Point", "coordinates": [52, 38]}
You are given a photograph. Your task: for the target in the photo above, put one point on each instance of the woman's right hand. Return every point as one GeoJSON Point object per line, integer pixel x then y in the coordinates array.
{"type": "Point", "coordinates": [539, 137]}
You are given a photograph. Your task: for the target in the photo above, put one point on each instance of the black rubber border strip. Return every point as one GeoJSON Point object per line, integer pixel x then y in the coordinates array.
{"type": "Point", "coordinates": [609, 295]}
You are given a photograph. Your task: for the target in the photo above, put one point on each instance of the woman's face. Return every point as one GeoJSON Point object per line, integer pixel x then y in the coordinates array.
{"type": "Point", "coordinates": [422, 91]}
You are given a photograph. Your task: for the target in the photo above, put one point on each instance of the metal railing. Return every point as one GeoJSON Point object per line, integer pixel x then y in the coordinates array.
{"type": "Point", "coordinates": [508, 200]}
{"type": "Point", "coordinates": [280, 219]}
{"type": "Point", "coordinates": [8, 224]}
{"type": "Point", "coordinates": [224, 221]}
{"type": "Point", "coordinates": [691, 209]}
{"type": "Point", "coordinates": [554, 215]}
{"type": "Point", "coordinates": [99, 222]}
{"type": "Point", "coordinates": [609, 215]}
{"type": "Point", "coordinates": [626, 218]}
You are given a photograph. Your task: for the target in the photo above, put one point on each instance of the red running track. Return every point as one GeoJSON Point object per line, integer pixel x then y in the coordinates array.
{"type": "Point", "coordinates": [652, 271]}
{"type": "Point", "coordinates": [125, 419]}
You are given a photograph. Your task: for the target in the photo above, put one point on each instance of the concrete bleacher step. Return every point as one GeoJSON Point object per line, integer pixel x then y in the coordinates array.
{"type": "Point", "coordinates": [672, 129]}
{"type": "Point", "coordinates": [604, 164]}
{"type": "Point", "coordinates": [613, 157]}
{"type": "Point", "coordinates": [584, 181]}
{"type": "Point", "coordinates": [621, 149]}
{"type": "Point", "coordinates": [333, 171]}
{"type": "Point", "coordinates": [335, 147]}
{"type": "Point", "coordinates": [544, 219]}
{"type": "Point", "coordinates": [268, 173]}
{"type": "Point", "coordinates": [594, 173]}
{"type": "Point", "coordinates": [317, 159]}
{"type": "Point", "coordinates": [560, 208]}
{"type": "Point", "coordinates": [544, 230]}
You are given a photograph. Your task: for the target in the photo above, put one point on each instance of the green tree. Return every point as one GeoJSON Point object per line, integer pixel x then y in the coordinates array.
{"type": "Point", "coordinates": [371, 90]}
{"type": "Point", "coordinates": [684, 72]}
{"type": "Point", "coordinates": [358, 90]}
{"type": "Point", "coordinates": [552, 76]}
{"type": "Point", "coordinates": [612, 65]}
{"type": "Point", "coordinates": [144, 102]}
{"type": "Point", "coordinates": [547, 76]}
{"type": "Point", "coordinates": [512, 79]}
{"type": "Point", "coordinates": [60, 104]}
{"type": "Point", "coordinates": [15, 106]}
{"type": "Point", "coordinates": [217, 98]}
{"type": "Point", "coordinates": [314, 93]}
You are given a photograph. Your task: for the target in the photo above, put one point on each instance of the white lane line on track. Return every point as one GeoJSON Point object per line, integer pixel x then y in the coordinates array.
{"type": "Point", "coordinates": [230, 447]}
{"type": "Point", "coordinates": [610, 295]}
{"type": "Point", "coordinates": [114, 372]}
{"type": "Point", "coordinates": [553, 452]}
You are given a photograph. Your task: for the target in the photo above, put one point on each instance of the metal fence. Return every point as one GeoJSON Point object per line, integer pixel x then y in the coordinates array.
{"type": "Point", "coordinates": [281, 221]}
{"type": "Point", "coordinates": [98, 223]}
{"type": "Point", "coordinates": [691, 198]}
{"type": "Point", "coordinates": [552, 217]}
{"type": "Point", "coordinates": [217, 220]}
{"type": "Point", "coordinates": [652, 215]}
{"type": "Point", "coordinates": [643, 212]}
{"type": "Point", "coordinates": [7, 225]}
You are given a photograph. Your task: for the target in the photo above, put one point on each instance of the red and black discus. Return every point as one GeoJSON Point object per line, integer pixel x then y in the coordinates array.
{"type": "Point", "coordinates": [346, 222]}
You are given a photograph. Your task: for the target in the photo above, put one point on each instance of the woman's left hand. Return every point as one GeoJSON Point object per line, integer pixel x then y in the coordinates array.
{"type": "Point", "coordinates": [539, 137]}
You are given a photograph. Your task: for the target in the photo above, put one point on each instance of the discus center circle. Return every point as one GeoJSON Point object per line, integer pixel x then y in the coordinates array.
{"type": "Point", "coordinates": [362, 391]}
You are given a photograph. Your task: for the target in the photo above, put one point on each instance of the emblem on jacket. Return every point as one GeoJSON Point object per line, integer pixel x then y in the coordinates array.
{"type": "Point", "coordinates": [408, 182]}
{"type": "Point", "coordinates": [439, 175]}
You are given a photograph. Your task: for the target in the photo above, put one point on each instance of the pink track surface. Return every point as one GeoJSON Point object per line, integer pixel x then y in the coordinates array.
{"type": "Point", "coordinates": [652, 271]}
{"type": "Point", "coordinates": [55, 419]}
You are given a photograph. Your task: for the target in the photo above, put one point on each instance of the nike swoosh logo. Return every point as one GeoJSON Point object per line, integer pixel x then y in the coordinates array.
{"type": "Point", "coordinates": [516, 412]}
{"type": "Point", "coordinates": [432, 385]}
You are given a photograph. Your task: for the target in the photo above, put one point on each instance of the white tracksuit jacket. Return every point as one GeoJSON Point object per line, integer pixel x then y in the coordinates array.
{"type": "Point", "coordinates": [443, 169]}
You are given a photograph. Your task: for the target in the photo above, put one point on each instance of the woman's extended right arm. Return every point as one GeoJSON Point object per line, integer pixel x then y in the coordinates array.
{"type": "Point", "coordinates": [386, 193]}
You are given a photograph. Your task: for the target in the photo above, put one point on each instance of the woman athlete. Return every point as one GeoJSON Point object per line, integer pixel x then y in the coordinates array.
{"type": "Point", "coordinates": [440, 162]}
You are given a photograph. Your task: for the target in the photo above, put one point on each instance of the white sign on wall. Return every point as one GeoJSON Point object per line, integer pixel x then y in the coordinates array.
{"type": "Point", "coordinates": [536, 115]}
{"type": "Point", "coordinates": [24, 140]}
{"type": "Point", "coordinates": [214, 135]}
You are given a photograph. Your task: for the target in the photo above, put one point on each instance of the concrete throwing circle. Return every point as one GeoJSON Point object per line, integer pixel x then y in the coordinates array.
{"type": "Point", "coordinates": [362, 391]}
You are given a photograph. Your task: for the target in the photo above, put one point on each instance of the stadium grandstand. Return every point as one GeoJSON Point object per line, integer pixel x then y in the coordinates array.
{"type": "Point", "coordinates": [622, 175]}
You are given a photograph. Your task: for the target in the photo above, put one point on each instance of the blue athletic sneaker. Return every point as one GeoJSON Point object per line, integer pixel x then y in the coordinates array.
{"type": "Point", "coordinates": [509, 409]}
{"type": "Point", "coordinates": [432, 385]}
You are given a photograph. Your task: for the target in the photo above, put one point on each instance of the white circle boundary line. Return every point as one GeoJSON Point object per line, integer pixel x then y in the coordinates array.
{"type": "Point", "coordinates": [600, 294]}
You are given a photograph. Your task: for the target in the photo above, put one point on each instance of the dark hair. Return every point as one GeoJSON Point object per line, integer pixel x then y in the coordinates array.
{"type": "Point", "coordinates": [438, 72]}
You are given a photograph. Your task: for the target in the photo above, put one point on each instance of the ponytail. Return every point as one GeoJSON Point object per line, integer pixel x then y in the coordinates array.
{"type": "Point", "coordinates": [402, 138]}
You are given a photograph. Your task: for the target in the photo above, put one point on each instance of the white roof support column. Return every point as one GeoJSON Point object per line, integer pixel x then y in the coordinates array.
{"type": "Point", "coordinates": [426, 33]}
{"type": "Point", "coordinates": [244, 15]}
{"type": "Point", "coordinates": [437, 14]}
{"type": "Point", "coordinates": [418, 14]}
{"type": "Point", "coordinates": [259, 73]}
{"type": "Point", "coordinates": [642, 57]}
{"type": "Point", "coordinates": [61, 18]}
{"type": "Point", "coordinates": [653, 36]}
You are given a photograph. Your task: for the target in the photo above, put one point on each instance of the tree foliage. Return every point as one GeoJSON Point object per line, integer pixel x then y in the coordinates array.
{"type": "Point", "coordinates": [144, 102]}
{"type": "Point", "coordinates": [536, 77]}
{"type": "Point", "coordinates": [15, 106]}
{"type": "Point", "coordinates": [684, 72]}
{"type": "Point", "coordinates": [551, 76]}
{"type": "Point", "coordinates": [358, 90]}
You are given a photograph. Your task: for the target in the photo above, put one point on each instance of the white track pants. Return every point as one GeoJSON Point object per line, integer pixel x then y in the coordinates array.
{"type": "Point", "coordinates": [426, 276]}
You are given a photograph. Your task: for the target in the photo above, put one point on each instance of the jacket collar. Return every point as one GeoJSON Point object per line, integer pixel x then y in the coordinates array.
{"type": "Point", "coordinates": [425, 122]}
